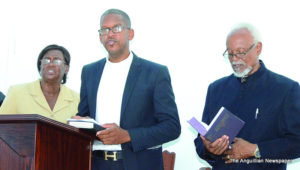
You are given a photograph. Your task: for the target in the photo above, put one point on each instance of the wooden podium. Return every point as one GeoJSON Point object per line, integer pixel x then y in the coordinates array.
{"type": "Point", "coordinates": [34, 142]}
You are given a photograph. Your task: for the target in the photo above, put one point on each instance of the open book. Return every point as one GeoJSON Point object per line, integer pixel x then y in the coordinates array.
{"type": "Point", "coordinates": [224, 123]}
{"type": "Point", "coordinates": [87, 124]}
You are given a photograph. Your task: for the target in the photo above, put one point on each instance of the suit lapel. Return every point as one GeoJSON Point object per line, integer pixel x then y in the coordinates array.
{"type": "Point", "coordinates": [64, 99]}
{"type": "Point", "coordinates": [97, 71]}
{"type": "Point", "coordinates": [132, 77]}
{"type": "Point", "coordinates": [38, 96]}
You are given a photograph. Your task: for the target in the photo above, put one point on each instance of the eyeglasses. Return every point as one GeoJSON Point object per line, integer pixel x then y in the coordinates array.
{"type": "Point", "coordinates": [242, 56]}
{"type": "Point", "coordinates": [56, 62]}
{"type": "Point", "coordinates": [115, 29]}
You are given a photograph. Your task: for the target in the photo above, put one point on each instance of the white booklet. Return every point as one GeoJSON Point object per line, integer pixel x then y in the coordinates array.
{"type": "Point", "coordinates": [85, 124]}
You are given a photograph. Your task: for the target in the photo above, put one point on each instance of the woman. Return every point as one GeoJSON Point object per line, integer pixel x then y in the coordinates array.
{"type": "Point", "coordinates": [46, 96]}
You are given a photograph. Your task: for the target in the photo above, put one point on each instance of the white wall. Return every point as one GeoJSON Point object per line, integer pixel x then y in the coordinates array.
{"type": "Point", "coordinates": [188, 36]}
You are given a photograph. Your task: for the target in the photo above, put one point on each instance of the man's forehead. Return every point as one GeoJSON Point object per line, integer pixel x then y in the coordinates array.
{"type": "Point", "coordinates": [112, 19]}
{"type": "Point", "coordinates": [54, 53]}
{"type": "Point", "coordinates": [240, 36]}
{"type": "Point", "coordinates": [239, 41]}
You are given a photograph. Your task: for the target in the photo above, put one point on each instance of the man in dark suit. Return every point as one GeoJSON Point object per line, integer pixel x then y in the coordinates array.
{"type": "Point", "coordinates": [269, 104]}
{"type": "Point", "coordinates": [131, 97]}
{"type": "Point", "coordinates": [1, 98]}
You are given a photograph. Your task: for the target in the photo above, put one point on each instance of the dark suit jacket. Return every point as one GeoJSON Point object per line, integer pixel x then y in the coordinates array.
{"type": "Point", "coordinates": [1, 98]}
{"type": "Point", "coordinates": [276, 129]}
{"type": "Point", "coordinates": [148, 112]}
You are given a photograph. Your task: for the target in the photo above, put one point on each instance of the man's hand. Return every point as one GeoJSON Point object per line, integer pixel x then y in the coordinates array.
{"type": "Point", "coordinates": [240, 149]}
{"type": "Point", "coordinates": [218, 146]}
{"type": "Point", "coordinates": [113, 134]}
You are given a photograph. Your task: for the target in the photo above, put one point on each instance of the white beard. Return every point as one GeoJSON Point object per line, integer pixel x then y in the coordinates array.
{"type": "Point", "coordinates": [243, 73]}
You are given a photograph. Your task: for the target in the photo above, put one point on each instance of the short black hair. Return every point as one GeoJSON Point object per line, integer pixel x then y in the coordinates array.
{"type": "Point", "coordinates": [125, 16]}
{"type": "Point", "coordinates": [66, 55]}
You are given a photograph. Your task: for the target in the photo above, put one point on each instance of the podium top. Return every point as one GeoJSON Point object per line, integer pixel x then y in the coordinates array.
{"type": "Point", "coordinates": [35, 118]}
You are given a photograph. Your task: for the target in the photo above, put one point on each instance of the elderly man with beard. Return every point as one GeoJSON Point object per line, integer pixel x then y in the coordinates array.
{"type": "Point", "coordinates": [269, 104]}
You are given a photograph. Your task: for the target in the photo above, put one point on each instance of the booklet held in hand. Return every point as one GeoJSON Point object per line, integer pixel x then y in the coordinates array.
{"type": "Point", "coordinates": [86, 124]}
{"type": "Point", "coordinates": [224, 123]}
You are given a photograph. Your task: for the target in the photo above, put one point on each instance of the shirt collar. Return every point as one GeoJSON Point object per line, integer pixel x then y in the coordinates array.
{"type": "Point", "coordinates": [128, 60]}
{"type": "Point", "coordinates": [256, 75]}
{"type": "Point", "coordinates": [36, 90]}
